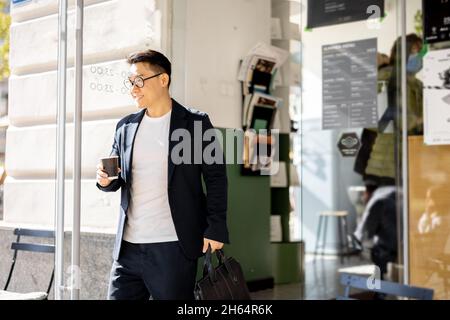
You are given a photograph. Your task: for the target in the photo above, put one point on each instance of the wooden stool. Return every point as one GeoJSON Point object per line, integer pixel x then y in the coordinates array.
{"type": "Point", "coordinates": [342, 230]}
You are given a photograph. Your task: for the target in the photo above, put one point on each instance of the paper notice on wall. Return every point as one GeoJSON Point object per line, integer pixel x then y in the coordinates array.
{"type": "Point", "coordinates": [436, 97]}
{"type": "Point", "coordinates": [279, 179]}
{"type": "Point", "coordinates": [275, 28]}
{"type": "Point", "coordinates": [276, 233]}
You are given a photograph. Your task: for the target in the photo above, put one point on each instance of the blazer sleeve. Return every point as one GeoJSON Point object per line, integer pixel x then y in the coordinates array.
{"type": "Point", "coordinates": [215, 178]}
{"type": "Point", "coordinates": [115, 151]}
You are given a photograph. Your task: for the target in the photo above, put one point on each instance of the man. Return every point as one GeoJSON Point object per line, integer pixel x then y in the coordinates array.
{"type": "Point", "coordinates": [166, 220]}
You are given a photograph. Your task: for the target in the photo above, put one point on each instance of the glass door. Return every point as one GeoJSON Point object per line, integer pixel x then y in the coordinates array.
{"type": "Point", "coordinates": [351, 133]}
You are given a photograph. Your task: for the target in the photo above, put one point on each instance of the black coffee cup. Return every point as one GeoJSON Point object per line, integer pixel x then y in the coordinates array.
{"type": "Point", "coordinates": [111, 166]}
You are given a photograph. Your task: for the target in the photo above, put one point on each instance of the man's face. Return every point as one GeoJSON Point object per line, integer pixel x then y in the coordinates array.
{"type": "Point", "coordinates": [153, 88]}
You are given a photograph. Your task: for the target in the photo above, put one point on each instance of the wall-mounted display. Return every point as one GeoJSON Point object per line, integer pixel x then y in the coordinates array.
{"type": "Point", "coordinates": [330, 12]}
{"type": "Point", "coordinates": [436, 20]}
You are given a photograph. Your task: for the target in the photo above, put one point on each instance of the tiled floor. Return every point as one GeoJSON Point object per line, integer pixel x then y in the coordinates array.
{"type": "Point", "coordinates": [321, 280]}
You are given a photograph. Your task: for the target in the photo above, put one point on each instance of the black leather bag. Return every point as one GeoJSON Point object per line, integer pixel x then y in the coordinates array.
{"type": "Point", "coordinates": [224, 282]}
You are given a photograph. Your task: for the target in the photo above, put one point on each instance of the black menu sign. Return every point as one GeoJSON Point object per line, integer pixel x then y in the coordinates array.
{"type": "Point", "coordinates": [349, 85]}
{"type": "Point", "coordinates": [329, 12]}
{"type": "Point", "coordinates": [436, 20]}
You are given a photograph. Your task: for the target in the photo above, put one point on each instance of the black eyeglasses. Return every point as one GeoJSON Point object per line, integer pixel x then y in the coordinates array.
{"type": "Point", "coordinates": [138, 81]}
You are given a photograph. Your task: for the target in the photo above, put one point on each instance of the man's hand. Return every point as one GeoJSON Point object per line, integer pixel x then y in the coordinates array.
{"type": "Point", "coordinates": [102, 176]}
{"type": "Point", "coordinates": [215, 245]}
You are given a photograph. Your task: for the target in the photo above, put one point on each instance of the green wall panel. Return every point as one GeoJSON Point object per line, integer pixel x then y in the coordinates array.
{"type": "Point", "coordinates": [249, 223]}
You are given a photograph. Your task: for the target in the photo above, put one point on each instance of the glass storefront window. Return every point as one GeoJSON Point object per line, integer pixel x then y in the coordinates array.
{"type": "Point", "coordinates": [333, 57]}
{"type": "Point", "coordinates": [351, 132]}
{"type": "Point", "coordinates": [428, 152]}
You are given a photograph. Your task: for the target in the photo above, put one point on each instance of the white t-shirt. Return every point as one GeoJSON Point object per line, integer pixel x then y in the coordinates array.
{"type": "Point", "coordinates": [149, 217]}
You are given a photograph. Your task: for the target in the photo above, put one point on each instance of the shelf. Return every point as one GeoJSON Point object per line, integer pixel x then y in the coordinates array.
{"type": "Point", "coordinates": [285, 242]}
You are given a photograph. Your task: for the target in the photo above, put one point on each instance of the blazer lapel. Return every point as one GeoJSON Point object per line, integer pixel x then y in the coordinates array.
{"type": "Point", "coordinates": [130, 135]}
{"type": "Point", "coordinates": [177, 121]}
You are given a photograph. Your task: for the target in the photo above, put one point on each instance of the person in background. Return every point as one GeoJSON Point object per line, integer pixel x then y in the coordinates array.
{"type": "Point", "coordinates": [414, 63]}
{"type": "Point", "coordinates": [379, 224]}
{"type": "Point", "coordinates": [382, 60]}
{"type": "Point", "coordinates": [377, 158]}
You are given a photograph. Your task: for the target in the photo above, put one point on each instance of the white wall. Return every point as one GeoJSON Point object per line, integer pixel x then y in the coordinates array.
{"type": "Point", "coordinates": [216, 36]}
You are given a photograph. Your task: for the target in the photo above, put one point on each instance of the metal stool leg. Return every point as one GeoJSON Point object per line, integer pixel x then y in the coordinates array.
{"type": "Point", "coordinates": [325, 234]}
{"type": "Point", "coordinates": [347, 247]}
{"type": "Point", "coordinates": [319, 228]}
{"type": "Point", "coordinates": [341, 241]}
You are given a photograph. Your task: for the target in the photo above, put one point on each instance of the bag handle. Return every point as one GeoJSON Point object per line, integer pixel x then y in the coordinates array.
{"type": "Point", "coordinates": [208, 268]}
{"type": "Point", "coordinates": [223, 260]}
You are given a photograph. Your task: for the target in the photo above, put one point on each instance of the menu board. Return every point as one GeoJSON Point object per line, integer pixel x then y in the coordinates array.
{"type": "Point", "coordinates": [329, 12]}
{"type": "Point", "coordinates": [349, 85]}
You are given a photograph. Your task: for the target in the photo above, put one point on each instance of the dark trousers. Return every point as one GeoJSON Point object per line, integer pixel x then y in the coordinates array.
{"type": "Point", "coordinates": [381, 256]}
{"type": "Point", "coordinates": [160, 270]}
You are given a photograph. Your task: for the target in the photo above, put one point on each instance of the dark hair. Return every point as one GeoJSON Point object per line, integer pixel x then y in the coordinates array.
{"type": "Point", "coordinates": [157, 61]}
{"type": "Point", "coordinates": [371, 187]}
{"type": "Point", "coordinates": [411, 39]}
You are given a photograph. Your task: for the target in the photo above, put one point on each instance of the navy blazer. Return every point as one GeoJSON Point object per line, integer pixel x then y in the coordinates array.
{"type": "Point", "coordinates": [195, 215]}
